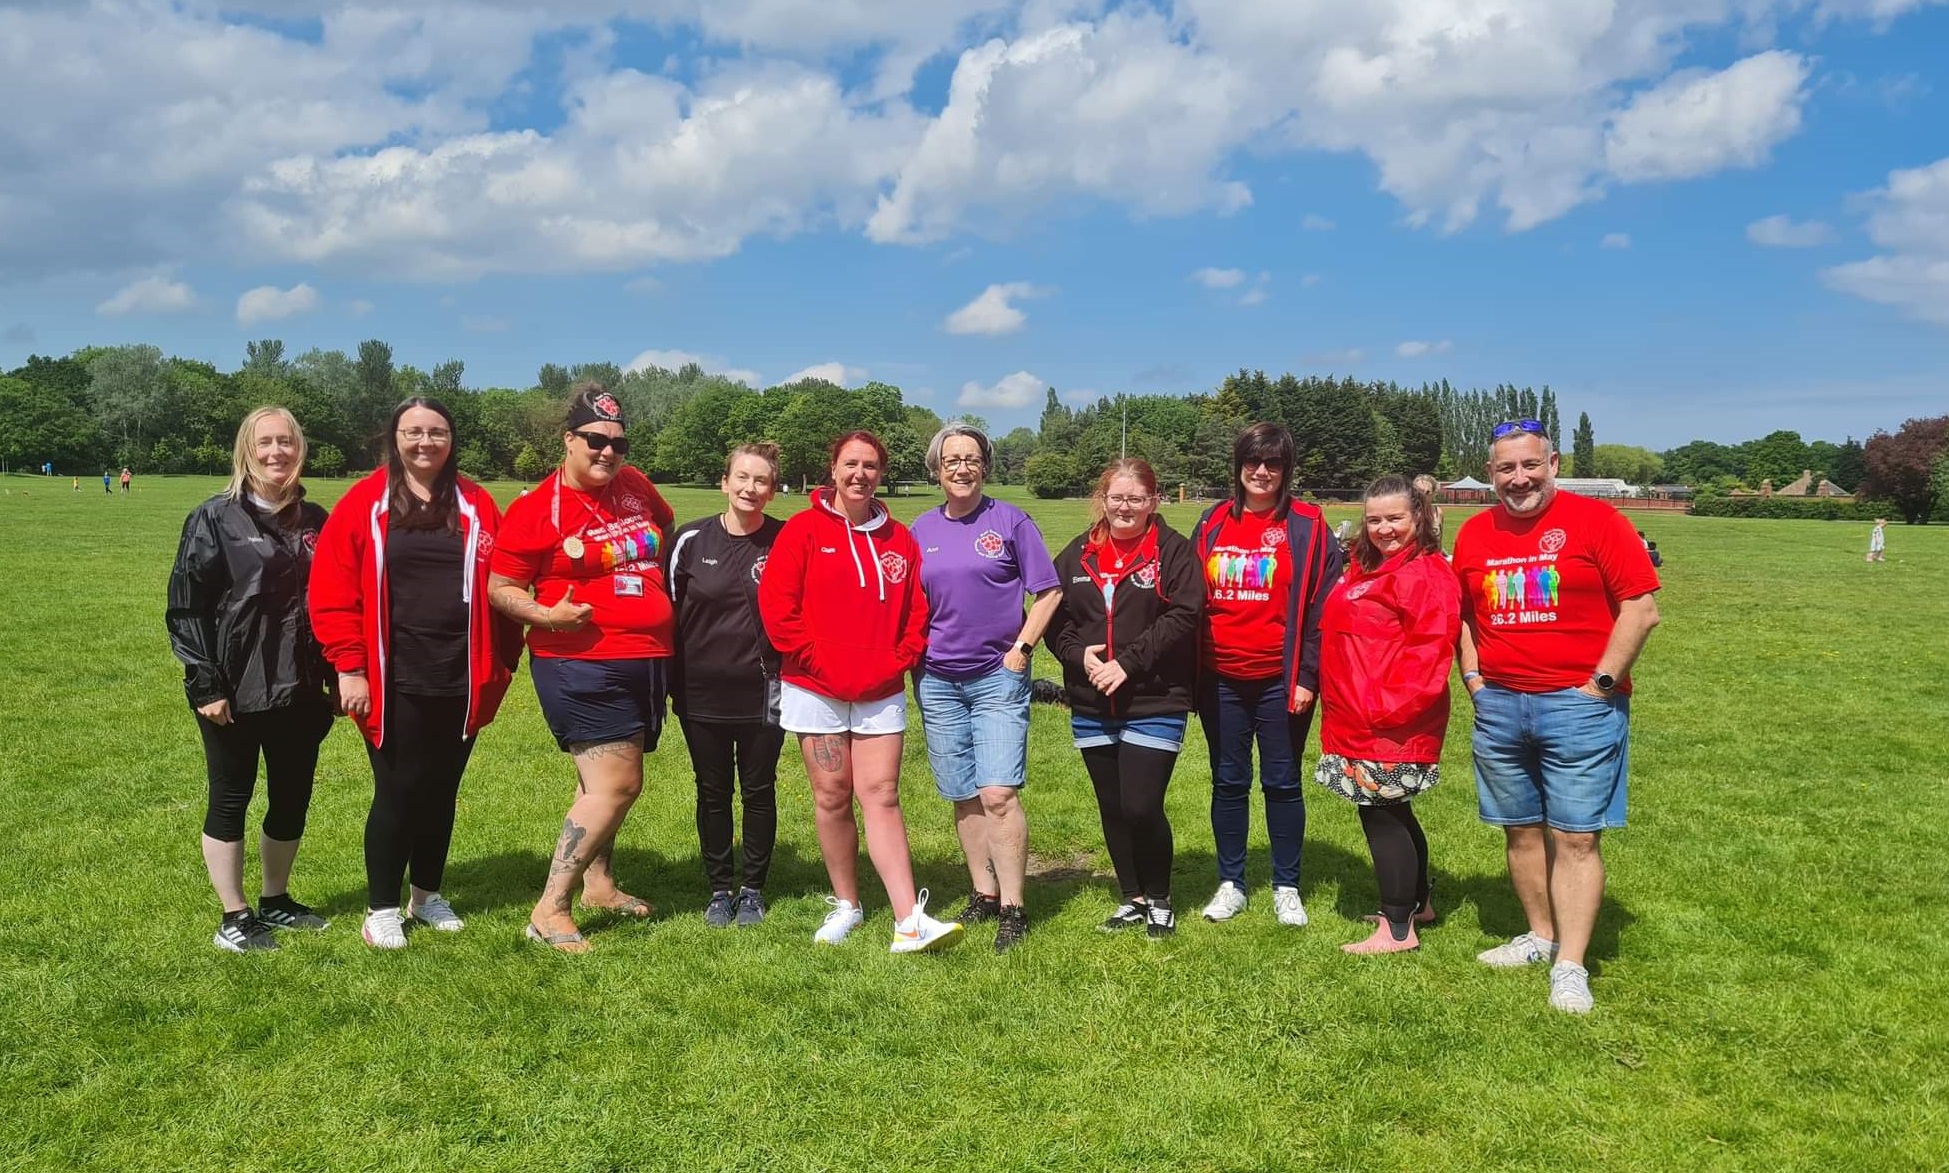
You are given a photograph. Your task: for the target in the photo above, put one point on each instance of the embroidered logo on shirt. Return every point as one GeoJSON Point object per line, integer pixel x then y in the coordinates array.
{"type": "Point", "coordinates": [893, 566]}
{"type": "Point", "coordinates": [1358, 589]}
{"type": "Point", "coordinates": [990, 544]}
{"type": "Point", "coordinates": [1145, 576]}
{"type": "Point", "coordinates": [758, 568]}
{"type": "Point", "coordinates": [483, 546]}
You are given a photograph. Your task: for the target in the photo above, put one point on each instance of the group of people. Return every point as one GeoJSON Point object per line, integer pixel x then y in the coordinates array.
{"type": "Point", "coordinates": [406, 607]}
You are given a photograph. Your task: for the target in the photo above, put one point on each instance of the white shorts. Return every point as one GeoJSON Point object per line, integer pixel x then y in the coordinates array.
{"type": "Point", "coordinates": [804, 711]}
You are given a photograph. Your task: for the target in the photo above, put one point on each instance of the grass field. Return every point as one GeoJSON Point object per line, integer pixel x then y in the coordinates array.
{"type": "Point", "coordinates": [1768, 966]}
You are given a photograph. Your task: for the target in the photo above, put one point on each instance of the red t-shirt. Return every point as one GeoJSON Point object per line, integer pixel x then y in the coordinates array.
{"type": "Point", "coordinates": [1541, 593]}
{"type": "Point", "coordinates": [1247, 575]}
{"type": "Point", "coordinates": [620, 533]}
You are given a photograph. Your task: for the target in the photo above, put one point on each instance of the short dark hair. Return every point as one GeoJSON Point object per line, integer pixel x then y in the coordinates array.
{"type": "Point", "coordinates": [1263, 441]}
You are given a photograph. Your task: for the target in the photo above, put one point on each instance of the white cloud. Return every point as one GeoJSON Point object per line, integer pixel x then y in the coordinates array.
{"type": "Point", "coordinates": [1909, 221]}
{"type": "Point", "coordinates": [1017, 390]}
{"type": "Point", "coordinates": [674, 360]}
{"type": "Point", "coordinates": [836, 373]}
{"type": "Point", "coordinates": [1615, 240]}
{"type": "Point", "coordinates": [1422, 349]}
{"type": "Point", "coordinates": [1694, 124]}
{"type": "Point", "coordinates": [359, 308]}
{"type": "Point", "coordinates": [991, 312]}
{"type": "Point", "coordinates": [1313, 223]}
{"type": "Point", "coordinates": [1785, 232]}
{"type": "Point", "coordinates": [1219, 278]}
{"type": "Point", "coordinates": [154, 294]}
{"type": "Point", "coordinates": [1253, 296]}
{"type": "Point", "coordinates": [268, 303]}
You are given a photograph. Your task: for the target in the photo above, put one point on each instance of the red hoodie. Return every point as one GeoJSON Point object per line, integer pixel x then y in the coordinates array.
{"type": "Point", "coordinates": [843, 604]}
{"type": "Point", "coordinates": [348, 600]}
{"type": "Point", "coordinates": [1387, 638]}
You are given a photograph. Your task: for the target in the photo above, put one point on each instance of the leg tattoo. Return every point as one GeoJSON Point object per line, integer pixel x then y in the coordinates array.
{"type": "Point", "coordinates": [828, 752]}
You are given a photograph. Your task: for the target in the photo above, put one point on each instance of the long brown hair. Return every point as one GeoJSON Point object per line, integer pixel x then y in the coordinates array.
{"type": "Point", "coordinates": [1125, 466]}
{"type": "Point", "coordinates": [1421, 507]}
{"type": "Point", "coordinates": [444, 499]}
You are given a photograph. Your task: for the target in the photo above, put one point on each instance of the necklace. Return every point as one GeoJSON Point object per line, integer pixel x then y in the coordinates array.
{"type": "Point", "coordinates": [572, 544]}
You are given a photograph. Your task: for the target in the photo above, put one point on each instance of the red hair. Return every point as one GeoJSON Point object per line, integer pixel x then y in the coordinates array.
{"type": "Point", "coordinates": [1127, 466]}
{"type": "Point", "coordinates": [864, 437]}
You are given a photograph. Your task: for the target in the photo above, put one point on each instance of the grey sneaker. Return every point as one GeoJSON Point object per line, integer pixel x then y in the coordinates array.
{"type": "Point", "coordinates": [282, 912]}
{"type": "Point", "coordinates": [719, 912]}
{"type": "Point", "coordinates": [1518, 951]}
{"type": "Point", "coordinates": [242, 932]}
{"type": "Point", "coordinates": [1226, 903]}
{"type": "Point", "coordinates": [1570, 988]}
{"type": "Point", "coordinates": [751, 907]}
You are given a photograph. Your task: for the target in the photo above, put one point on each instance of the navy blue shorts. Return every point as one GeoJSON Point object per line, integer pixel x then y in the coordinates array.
{"type": "Point", "coordinates": [588, 702]}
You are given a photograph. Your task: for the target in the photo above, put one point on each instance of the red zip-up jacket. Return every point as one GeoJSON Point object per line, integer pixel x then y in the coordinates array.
{"type": "Point", "coordinates": [349, 613]}
{"type": "Point", "coordinates": [843, 604]}
{"type": "Point", "coordinates": [1387, 639]}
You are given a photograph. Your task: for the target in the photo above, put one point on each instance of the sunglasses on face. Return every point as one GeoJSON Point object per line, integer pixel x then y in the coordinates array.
{"type": "Point", "coordinates": [597, 442]}
{"type": "Point", "coordinates": [1513, 427]}
{"type": "Point", "coordinates": [1257, 462]}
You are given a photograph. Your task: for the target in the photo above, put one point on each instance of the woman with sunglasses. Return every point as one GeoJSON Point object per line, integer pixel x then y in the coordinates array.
{"type": "Point", "coordinates": [841, 601]}
{"type": "Point", "coordinates": [1269, 563]}
{"type": "Point", "coordinates": [399, 601]}
{"type": "Point", "coordinates": [1126, 633]}
{"type": "Point", "coordinates": [580, 561]}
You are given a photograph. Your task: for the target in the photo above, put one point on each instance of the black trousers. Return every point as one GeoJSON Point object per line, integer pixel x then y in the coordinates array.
{"type": "Point", "coordinates": [288, 738]}
{"type": "Point", "coordinates": [1130, 781]}
{"type": "Point", "coordinates": [1400, 858]}
{"type": "Point", "coordinates": [415, 785]}
{"type": "Point", "coordinates": [750, 751]}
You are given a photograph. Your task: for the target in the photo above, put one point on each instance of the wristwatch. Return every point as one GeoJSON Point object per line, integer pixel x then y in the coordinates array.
{"type": "Point", "coordinates": [1604, 681]}
{"type": "Point", "coordinates": [1026, 649]}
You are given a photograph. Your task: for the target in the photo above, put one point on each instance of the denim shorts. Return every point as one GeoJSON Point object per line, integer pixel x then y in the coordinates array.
{"type": "Point", "coordinates": [588, 702]}
{"type": "Point", "coordinates": [1559, 758]}
{"type": "Point", "coordinates": [977, 731]}
{"type": "Point", "coordinates": [1165, 732]}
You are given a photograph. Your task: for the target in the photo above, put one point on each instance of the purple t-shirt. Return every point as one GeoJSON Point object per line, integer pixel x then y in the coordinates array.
{"type": "Point", "coordinates": [976, 570]}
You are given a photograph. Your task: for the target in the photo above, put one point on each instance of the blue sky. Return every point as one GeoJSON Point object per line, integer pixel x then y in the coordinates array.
{"type": "Point", "coordinates": [1693, 218]}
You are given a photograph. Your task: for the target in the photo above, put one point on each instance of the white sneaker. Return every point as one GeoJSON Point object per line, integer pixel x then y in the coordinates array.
{"type": "Point", "coordinates": [434, 911]}
{"type": "Point", "coordinates": [1287, 906]}
{"type": "Point", "coordinates": [840, 922]}
{"type": "Point", "coordinates": [1570, 988]}
{"type": "Point", "coordinates": [384, 929]}
{"type": "Point", "coordinates": [1226, 903]}
{"type": "Point", "coordinates": [1523, 949]}
{"type": "Point", "coordinates": [921, 933]}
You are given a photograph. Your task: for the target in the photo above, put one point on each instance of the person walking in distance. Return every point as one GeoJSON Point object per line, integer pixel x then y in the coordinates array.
{"type": "Point", "coordinates": [1547, 658]}
{"type": "Point", "coordinates": [1878, 541]}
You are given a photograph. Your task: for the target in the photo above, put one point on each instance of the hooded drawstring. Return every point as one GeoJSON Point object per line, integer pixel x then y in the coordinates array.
{"type": "Point", "coordinates": [866, 534]}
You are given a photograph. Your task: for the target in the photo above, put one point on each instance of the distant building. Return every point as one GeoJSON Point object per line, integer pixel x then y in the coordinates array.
{"type": "Point", "coordinates": [1806, 486]}
{"type": "Point", "coordinates": [1598, 486]}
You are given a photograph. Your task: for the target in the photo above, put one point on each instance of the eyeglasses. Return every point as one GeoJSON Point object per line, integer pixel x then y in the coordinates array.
{"type": "Point", "coordinates": [1120, 501]}
{"type": "Point", "coordinates": [416, 435]}
{"type": "Point", "coordinates": [961, 462]}
{"type": "Point", "coordinates": [1512, 427]}
{"type": "Point", "coordinates": [597, 442]}
{"type": "Point", "coordinates": [1258, 462]}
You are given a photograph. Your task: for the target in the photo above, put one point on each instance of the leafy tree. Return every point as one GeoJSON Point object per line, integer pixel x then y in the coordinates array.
{"type": "Point", "coordinates": [1058, 424]}
{"type": "Point", "coordinates": [529, 465]}
{"type": "Point", "coordinates": [446, 380]}
{"type": "Point", "coordinates": [325, 460]}
{"type": "Point", "coordinates": [1012, 452]}
{"type": "Point", "coordinates": [1702, 462]}
{"type": "Point", "coordinates": [1901, 467]}
{"type": "Point", "coordinates": [553, 379]}
{"type": "Point", "coordinates": [129, 389]}
{"type": "Point", "coordinates": [38, 423]}
{"type": "Point", "coordinates": [1415, 420]}
{"type": "Point", "coordinates": [376, 395]}
{"type": "Point", "coordinates": [1638, 466]}
{"type": "Point", "coordinates": [1583, 445]}
{"type": "Point", "coordinates": [1050, 473]}
{"type": "Point", "coordinates": [1779, 456]}
{"type": "Point", "coordinates": [265, 357]}
{"type": "Point", "coordinates": [606, 373]}
{"type": "Point", "coordinates": [692, 445]}
{"type": "Point", "coordinates": [1338, 435]}
{"type": "Point", "coordinates": [818, 414]}
{"type": "Point", "coordinates": [1552, 423]}
{"type": "Point", "coordinates": [1848, 467]}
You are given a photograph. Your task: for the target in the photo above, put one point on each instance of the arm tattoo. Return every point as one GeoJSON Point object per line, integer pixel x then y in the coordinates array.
{"type": "Point", "coordinates": [517, 604]}
{"type": "Point", "coordinates": [828, 752]}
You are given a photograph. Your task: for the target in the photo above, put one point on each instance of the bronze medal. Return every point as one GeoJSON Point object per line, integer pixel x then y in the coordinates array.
{"type": "Point", "coordinates": [572, 546]}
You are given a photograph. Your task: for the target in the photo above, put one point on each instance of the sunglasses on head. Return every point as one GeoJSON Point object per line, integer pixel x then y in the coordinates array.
{"type": "Point", "coordinates": [1512, 427]}
{"type": "Point", "coordinates": [597, 442]}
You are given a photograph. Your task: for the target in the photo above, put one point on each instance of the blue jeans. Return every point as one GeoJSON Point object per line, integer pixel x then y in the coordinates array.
{"type": "Point", "coordinates": [1235, 713]}
{"type": "Point", "coordinates": [977, 731]}
{"type": "Point", "coordinates": [1551, 757]}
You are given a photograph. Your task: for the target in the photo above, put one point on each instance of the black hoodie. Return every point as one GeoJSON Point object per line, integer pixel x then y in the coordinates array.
{"type": "Point", "coordinates": [1151, 629]}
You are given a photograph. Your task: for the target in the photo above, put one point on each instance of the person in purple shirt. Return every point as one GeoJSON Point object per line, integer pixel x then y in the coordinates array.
{"type": "Point", "coordinates": [979, 558]}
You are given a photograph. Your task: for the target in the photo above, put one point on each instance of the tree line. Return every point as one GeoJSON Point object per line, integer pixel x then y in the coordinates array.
{"type": "Point", "coordinates": [132, 405]}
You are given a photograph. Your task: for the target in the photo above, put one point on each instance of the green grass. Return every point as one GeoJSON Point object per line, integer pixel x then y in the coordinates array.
{"type": "Point", "coordinates": [1768, 964]}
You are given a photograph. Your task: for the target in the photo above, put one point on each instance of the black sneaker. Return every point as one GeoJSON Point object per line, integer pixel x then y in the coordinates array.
{"type": "Point", "coordinates": [751, 907]}
{"type": "Point", "coordinates": [1162, 922]}
{"type": "Point", "coordinates": [1014, 927]}
{"type": "Point", "coordinates": [981, 909]}
{"type": "Point", "coordinates": [1129, 915]}
{"type": "Point", "coordinates": [718, 913]}
{"type": "Point", "coordinates": [282, 912]}
{"type": "Point", "coordinates": [242, 932]}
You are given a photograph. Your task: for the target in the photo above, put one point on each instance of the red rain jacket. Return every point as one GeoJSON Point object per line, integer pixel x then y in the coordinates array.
{"type": "Point", "coordinates": [1387, 639]}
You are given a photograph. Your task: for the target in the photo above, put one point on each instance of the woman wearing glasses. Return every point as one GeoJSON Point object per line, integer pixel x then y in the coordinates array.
{"type": "Point", "coordinates": [979, 558]}
{"type": "Point", "coordinates": [580, 561]}
{"type": "Point", "coordinates": [1126, 632]}
{"type": "Point", "coordinates": [399, 601]}
{"type": "Point", "coordinates": [1269, 563]}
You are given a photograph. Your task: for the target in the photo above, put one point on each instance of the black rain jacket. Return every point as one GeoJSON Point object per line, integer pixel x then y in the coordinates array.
{"type": "Point", "coordinates": [1152, 630]}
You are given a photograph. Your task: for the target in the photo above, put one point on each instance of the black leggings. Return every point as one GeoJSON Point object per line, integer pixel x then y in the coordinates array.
{"type": "Point", "coordinates": [288, 738]}
{"type": "Point", "coordinates": [1130, 782]}
{"type": "Point", "coordinates": [1400, 858]}
{"type": "Point", "coordinates": [415, 784]}
{"type": "Point", "coordinates": [751, 750]}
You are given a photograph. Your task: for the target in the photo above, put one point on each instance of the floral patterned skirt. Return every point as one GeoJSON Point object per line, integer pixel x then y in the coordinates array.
{"type": "Point", "coordinates": [1366, 783]}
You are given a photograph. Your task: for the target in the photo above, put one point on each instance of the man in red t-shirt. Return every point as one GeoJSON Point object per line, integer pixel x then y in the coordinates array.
{"type": "Point", "coordinates": [1556, 604]}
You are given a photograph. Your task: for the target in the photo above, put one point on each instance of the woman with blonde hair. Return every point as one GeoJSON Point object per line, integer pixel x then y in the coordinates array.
{"type": "Point", "coordinates": [254, 675]}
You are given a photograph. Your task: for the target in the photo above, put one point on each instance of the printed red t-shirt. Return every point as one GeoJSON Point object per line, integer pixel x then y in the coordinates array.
{"type": "Point", "coordinates": [1542, 592]}
{"type": "Point", "coordinates": [1247, 576]}
{"type": "Point", "coordinates": [619, 570]}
